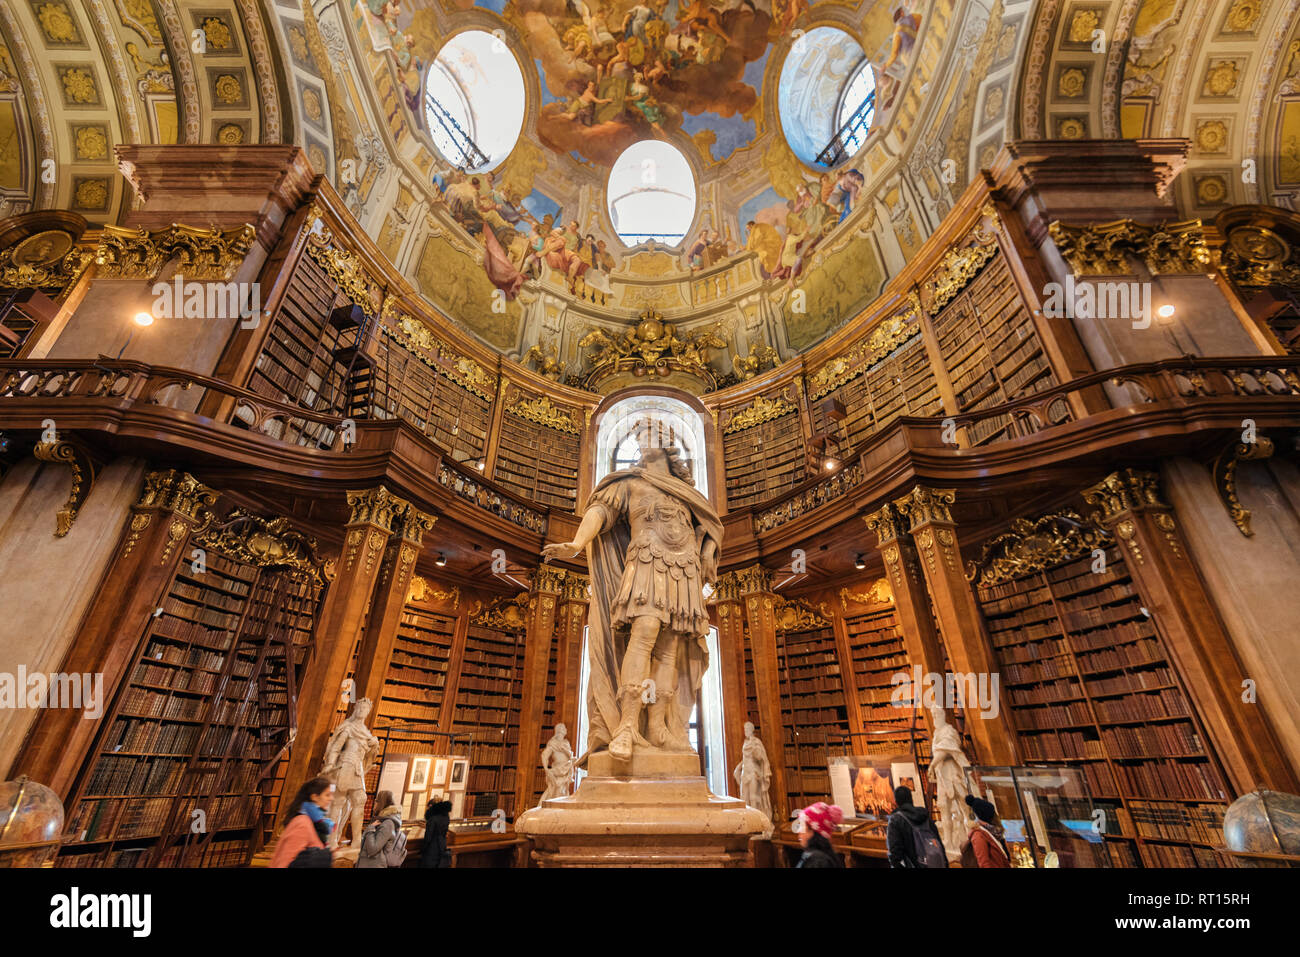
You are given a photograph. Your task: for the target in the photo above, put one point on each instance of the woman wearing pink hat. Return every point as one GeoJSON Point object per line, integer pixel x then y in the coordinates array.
{"type": "Point", "coordinates": [817, 823]}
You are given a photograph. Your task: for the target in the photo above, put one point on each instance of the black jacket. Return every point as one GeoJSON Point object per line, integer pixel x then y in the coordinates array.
{"type": "Point", "coordinates": [899, 836]}
{"type": "Point", "coordinates": [437, 818]}
{"type": "Point", "coordinates": [819, 853]}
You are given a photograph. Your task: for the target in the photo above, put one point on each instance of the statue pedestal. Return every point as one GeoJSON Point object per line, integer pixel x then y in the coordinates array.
{"type": "Point", "coordinates": [652, 811]}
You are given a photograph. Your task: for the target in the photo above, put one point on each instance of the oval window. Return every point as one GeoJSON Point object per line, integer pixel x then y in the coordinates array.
{"type": "Point", "coordinates": [651, 194]}
{"type": "Point", "coordinates": [826, 97]}
{"type": "Point", "coordinates": [474, 101]}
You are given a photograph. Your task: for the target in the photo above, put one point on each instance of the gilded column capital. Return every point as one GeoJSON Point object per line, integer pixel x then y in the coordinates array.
{"type": "Point", "coordinates": [923, 505]}
{"type": "Point", "coordinates": [375, 506]}
{"type": "Point", "coordinates": [202, 254]}
{"type": "Point", "coordinates": [575, 587]}
{"type": "Point", "coordinates": [755, 578]}
{"type": "Point", "coordinates": [549, 579]}
{"type": "Point", "coordinates": [1128, 490]}
{"type": "Point", "coordinates": [887, 523]}
{"type": "Point", "coordinates": [727, 588]}
{"type": "Point", "coordinates": [177, 492]}
{"type": "Point", "coordinates": [413, 523]}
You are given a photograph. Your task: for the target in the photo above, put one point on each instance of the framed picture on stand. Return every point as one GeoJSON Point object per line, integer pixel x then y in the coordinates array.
{"type": "Point", "coordinates": [419, 774]}
{"type": "Point", "coordinates": [459, 773]}
{"type": "Point", "coordinates": [440, 766]}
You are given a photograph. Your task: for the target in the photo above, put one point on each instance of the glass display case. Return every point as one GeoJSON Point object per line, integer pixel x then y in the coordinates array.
{"type": "Point", "coordinates": [1047, 815]}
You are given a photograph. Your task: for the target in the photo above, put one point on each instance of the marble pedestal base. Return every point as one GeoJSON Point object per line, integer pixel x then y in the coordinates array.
{"type": "Point", "coordinates": [652, 811]}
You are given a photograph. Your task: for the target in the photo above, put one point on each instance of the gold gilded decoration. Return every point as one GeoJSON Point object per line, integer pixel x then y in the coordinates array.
{"type": "Point", "coordinates": [1255, 256]}
{"type": "Point", "coordinates": [201, 254]}
{"type": "Point", "coordinates": [351, 547]}
{"type": "Point", "coordinates": [1031, 546]}
{"type": "Point", "coordinates": [1212, 136]}
{"type": "Point", "coordinates": [1126, 532]}
{"type": "Point", "coordinates": [374, 547]}
{"type": "Point", "coordinates": [883, 339]}
{"type": "Point", "coordinates": [415, 335]}
{"type": "Point", "coordinates": [576, 587]}
{"type": "Point", "coordinates": [925, 505]}
{"type": "Point", "coordinates": [83, 479]}
{"type": "Point", "coordinates": [887, 522]}
{"type": "Point", "coordinates": [1128, 490]}
{"type": "Point", "coordinates": [1165, 522]}
{"type": "Point", "coordinates": [1104, 249]}
{"type": "Point", "coordinates": [266, 543]}
{"type": "Point", "coordinates": [90, 142]}
{"type": "Point", "coordinates": [757, 412]}
{"type": "Point", "coordinates": [139, 522]}
{"type": "Point", "coordinates": [230, 134]}
{"type": "Point", "coordinates": [543, 412]}
{"type": "Point", "coordinates": [175, 534]}
{"type": "Point", "coordinates": [78, 86]}
{"type": "Point", "coordinates": [761, 356]}
{"type": "Point", "coordinates": [1071, 82]}
{"type": "Point", "coordinates": [216, 33]}
{"type": "Point", "coordinates": [1221, 78]}
{"type": "Point", "coordinates": [57, 23]}
{"type": "Point", "coordinates": [47, 260]}
{"type": "Point", "coordinates": [1070, 128]}
{"type": "Point", "coordinates": [345, 269]}
{"type": "Point", "coordinates": [177, 492]}
{"type": "Point", "coordinates": [796, 615]}
{"type": "Point", "coordinates": [545, 358]}
{"type": "Point", "coordinates": [228, 89]}
{"type": "Point", "coordinates": [375, 506]}
{"type": "Point", "coordinates": [1211, 190]}
{"type": "Point", "coordinates": [421, 590]}
{"type": "Point", "coordinates": [91, 194]}
{"type": "Point", "coordinates": [925, 542]}
{"type": "Point", "coordinates": [549, 578]}
{"type": "Point", "coordinates": [311, 105]}
{"type": "Point", "coordinates": [1242, 16]}
{"type": "Point", "coordinates": [413, 523]}
{"type": "Point", "coordinates": [1224, 469]}
{"type": "Point", "coordinates": [878, 594]}
{"type": "Point", "coordinates": [506, 613]}
{"type": "Point", "coordinates": [959, 265]}
{"type": "Point", "coordinates": [1082, 24]}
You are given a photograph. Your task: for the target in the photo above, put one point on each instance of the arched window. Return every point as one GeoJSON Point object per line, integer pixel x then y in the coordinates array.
{"type": "Point", "coordinates": [474, 101]}
{"type": "Point", "coordinates": [651, 194]}
{"type": "Point", "coordinates": [826, 97]}
{"type": "Point", "coordinates": [670, 420]}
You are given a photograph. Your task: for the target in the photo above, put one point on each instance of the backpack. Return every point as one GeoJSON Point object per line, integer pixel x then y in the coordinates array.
{"type": "Point", "coordinates": [372, 844]}
{"type": "Point", "coordinates": [929, 850]}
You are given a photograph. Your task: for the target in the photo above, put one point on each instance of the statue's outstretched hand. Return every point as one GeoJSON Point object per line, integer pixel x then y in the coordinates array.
{"type": "Point", "coordinates": [560, 550]}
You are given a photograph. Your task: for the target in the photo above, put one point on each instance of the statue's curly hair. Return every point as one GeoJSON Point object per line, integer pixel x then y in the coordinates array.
{"type": "Point", "coordinates": [678, 467]}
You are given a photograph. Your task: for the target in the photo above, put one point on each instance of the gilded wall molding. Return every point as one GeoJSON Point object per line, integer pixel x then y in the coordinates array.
{"type": "Point", "coordinates": [1033, 545]}
{"type": "Point", "coordinates": [264, 543]}
{"type": "Point", "coordinates": [1104, 249]}
{"type": "Point", "coordinates": [959, 264]}
{"type": "Point", "coordinates": [204, 254]}
{"type": "Point", "coordinates": [48, 260]}
{"type": "Point", "coordinates": [866, 352]}
{"type": "Point", "coordinates": [83, 479]}
{"type": "Point", "coordinates": [878, 594]}
{"type": "Point", "coordinates": [344, 267]}
{"type": "Point", "coordinates": [757, 412]}
{"type": "Point", "coordinates": [1224, 469]}
{"type": "Point", "coordinates": [542, 411]}
{"type": "Point", "coordinates": [420, 590]}
{"type": "Point", "coordinates": [1255, 256]}
{"type": "Point", "coordinates": [923, 505]}
{"type": "Point", "coordinates": [797, 615]}
{"type": "Point", "coordinates": [417, 338]}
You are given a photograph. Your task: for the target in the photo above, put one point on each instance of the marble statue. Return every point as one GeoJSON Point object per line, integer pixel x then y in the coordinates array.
{"type": "Point", "coordinates": [948, 766]}
{"type": "Point", "coordinates": [754, 773]}
{"type": "Point", "coordinates": [557, 762]}
{"type": "Point", "coordinates": [652, 542]}
{"type": "Point", "coordinates": [351, 752]}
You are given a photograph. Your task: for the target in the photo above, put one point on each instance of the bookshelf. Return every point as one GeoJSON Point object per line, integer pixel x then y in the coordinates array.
{"type": "Point", "coordinates": [876, 647]}
{"type": "Point", "coordinates": [902, 383]}
{"type": "Point", "coordinates": [764, 460]}
{"type": "Point", "coordinates": [813, 712]}
{"type": "Point", "coordinates": [198, 724]}
{"type": "Point", "coordinates": [407, 387]}
{"type": "Point", "coordinates": [417, 671]}
{"type": "Point", "coordinates": [487, 709]}
{"type": "Point", "coordinates": [1089, 683]}
{"type": "Point", "coordinates": [990, 348]}
{"type": "Point", "coordinates": [539, 462]}
{"type": "Point", "coordinates": [299, 361]}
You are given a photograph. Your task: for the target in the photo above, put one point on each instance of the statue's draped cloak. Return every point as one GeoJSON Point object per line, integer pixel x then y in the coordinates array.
{"type": "Point", "coordinates": [607, 555]}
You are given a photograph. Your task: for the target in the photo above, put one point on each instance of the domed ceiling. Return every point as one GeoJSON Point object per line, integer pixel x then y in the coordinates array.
{"type": "Point", "coordinates": [523, 250]}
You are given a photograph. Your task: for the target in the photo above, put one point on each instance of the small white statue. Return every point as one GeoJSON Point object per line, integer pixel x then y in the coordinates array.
{"type": "Point", "coordinates": [754, 773]}
{"type": "Point", "coordinates": [557, 762]}
{"type": "Point", "coordinates": [351, 752]}
{"type": "Point", "coordinates": [948, 766]}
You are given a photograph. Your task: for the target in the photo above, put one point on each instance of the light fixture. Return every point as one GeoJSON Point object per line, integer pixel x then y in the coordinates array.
{"type": "Point", "coordinates": [143, 319]}
{"type": "Point", "coordinates": [1166, 312]}
{"type": "Point", "coordinates": [860, 562]}
{"type": "Point", "coordinates": [441, 560]}
{"type": "Point", "coordinates": [831, 463]}
{"type": "Point", "coordinates": [480, 465]}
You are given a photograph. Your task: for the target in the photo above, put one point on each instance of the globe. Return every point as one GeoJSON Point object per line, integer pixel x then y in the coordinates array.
{"type": "Point", "coordinates": [1263, 822]}
{"type": "Point", "coordinates": [30, 814]}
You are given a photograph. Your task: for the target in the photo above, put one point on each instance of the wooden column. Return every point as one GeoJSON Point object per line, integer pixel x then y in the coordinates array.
{"type": "Point", "coordinates": [759, 600]}
{"type": "Point", "coordinates": [729, 611]}
{"type": "Point", "coordinates": [911, 603]}
{"type": "Point", "coordinates": [548, 587]}
{"type": "Point", "coordinates": [388, 602]}
{"type": "Point", "coordinates": [568, 655]}
{"type": "Point", "coordinates": [962, 627]}
{"type": "Point", "coordinates": [1130, 507]}
{"type": "Point", "coordinates": [170, 507]}
{"type": "Point", "coordinates": [337, 627]}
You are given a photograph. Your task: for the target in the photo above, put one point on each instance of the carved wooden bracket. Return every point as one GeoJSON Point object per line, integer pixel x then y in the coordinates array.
{"type": "Point", "coordinates": [76, 458]}
{"type": "Point", "coordinates": [1225, 477]}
